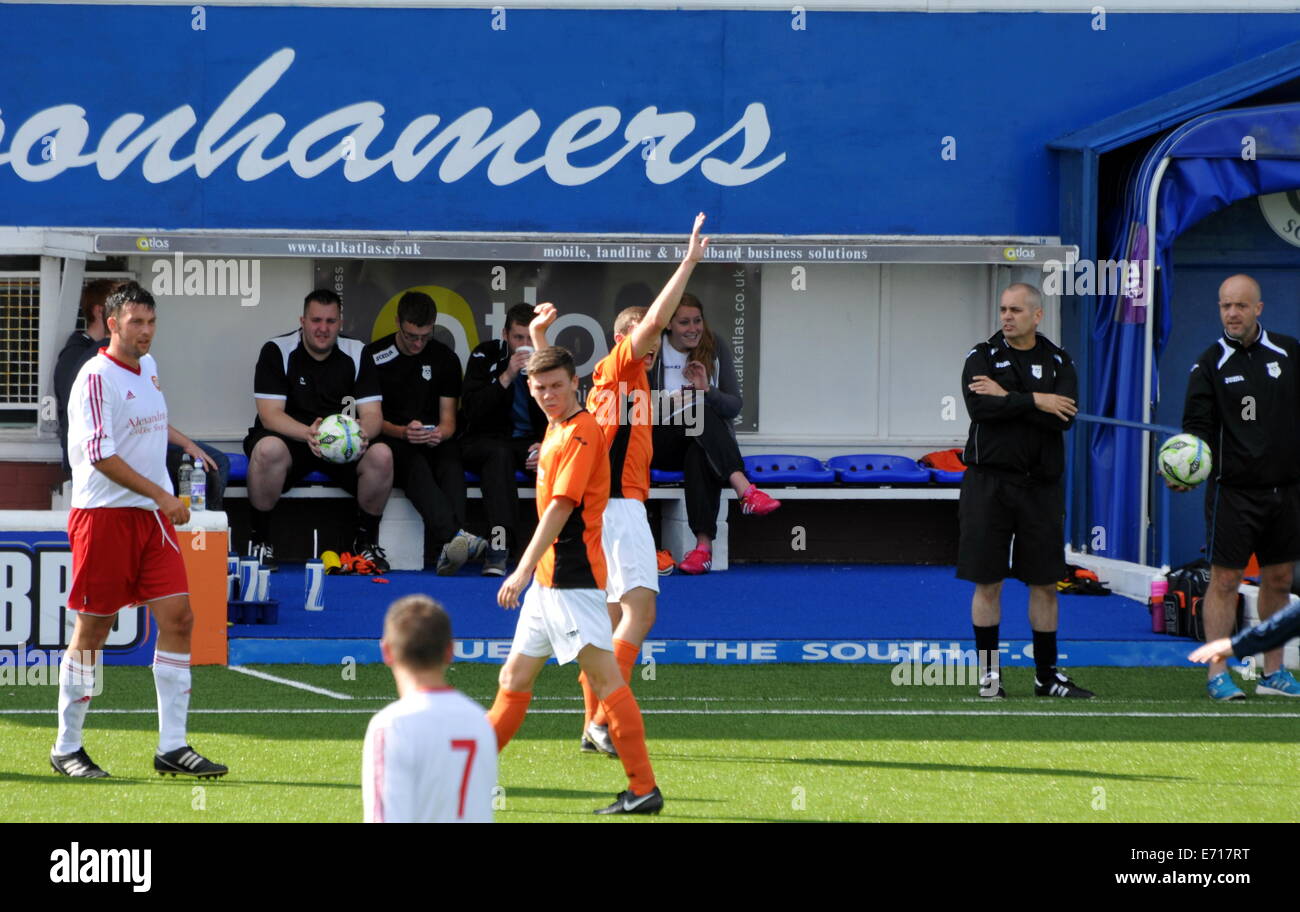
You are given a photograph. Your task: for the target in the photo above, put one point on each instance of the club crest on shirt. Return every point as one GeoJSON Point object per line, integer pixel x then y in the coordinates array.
{"type": "Point", "coordinates": [1274, 369]}
{"type": "Point", "coordinates": [156, 384]}
{"type": "Point", "coordinates": [426, 371]}
{"type": "Point", "coordinates": [1037, 371]}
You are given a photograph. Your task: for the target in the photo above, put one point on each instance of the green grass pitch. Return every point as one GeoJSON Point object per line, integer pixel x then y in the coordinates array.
{"type": "Point", "coordinates": [733, 743]}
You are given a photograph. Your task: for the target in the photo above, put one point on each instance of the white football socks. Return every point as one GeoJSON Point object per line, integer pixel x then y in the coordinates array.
{"type": "Point", "coordinates": [171, 679]}
{"type": "Point", "coordinates": [76, 687]}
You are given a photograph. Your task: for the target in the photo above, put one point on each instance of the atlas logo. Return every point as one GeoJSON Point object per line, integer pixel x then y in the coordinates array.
{"type": "Point", "coordinates": [149, 244]}
{"type": "Point", "coordinates": [1018, 253]}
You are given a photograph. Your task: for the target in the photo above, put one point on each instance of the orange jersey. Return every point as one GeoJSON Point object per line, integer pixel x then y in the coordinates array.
{"type": "Point", "coordinates": [573, 463]}
{"type": "Point", "coordinates": [620, 400]}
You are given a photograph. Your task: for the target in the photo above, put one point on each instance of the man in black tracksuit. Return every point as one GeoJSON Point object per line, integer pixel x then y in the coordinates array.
{"type": "Point", "coordinates": [1020, 391]}
{"type": "Point", "coordinates": [503, 428]}
{"type": "Point", "coordinates": [1243, 400]}
{"type": "Point", "coordinates": [419, 378]}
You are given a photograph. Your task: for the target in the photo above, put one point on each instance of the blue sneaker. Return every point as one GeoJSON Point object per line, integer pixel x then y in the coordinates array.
{"type": "Point", "coordinates": [1280, 683]}
{"type": "Point", "coordinates": [1220, 687]}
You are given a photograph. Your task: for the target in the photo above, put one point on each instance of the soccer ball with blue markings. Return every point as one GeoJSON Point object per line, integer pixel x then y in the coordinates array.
{"type": "Point", "coordinates": [340, 439]}
{"type": "Point", "coordinates": [1185, 460]}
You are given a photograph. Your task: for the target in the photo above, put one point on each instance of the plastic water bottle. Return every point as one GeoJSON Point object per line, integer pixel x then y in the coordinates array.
{"type": "Point", "coordinates": [199, 489]}
{"type": "Point", "coordinates": [184, 478]}
{"type": "Point", "coordinates": [1159, 586]}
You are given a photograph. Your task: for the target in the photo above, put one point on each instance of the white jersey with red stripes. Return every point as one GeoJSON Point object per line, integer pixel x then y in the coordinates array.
{"type": "Point", "coordinates": [431, 757]}
{"type": "Point", "coordinates": [116, 410]}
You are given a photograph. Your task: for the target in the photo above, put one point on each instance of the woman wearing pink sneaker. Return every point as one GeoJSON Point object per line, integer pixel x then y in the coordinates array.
{"type": "Point", "coordinates": [696, 385]}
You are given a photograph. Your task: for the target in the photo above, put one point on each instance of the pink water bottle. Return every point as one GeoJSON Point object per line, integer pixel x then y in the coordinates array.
{"type": "Point", "coordinates": [1158, 589]}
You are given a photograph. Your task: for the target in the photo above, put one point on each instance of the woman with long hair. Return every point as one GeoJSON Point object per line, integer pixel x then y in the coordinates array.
{"type": "Point", "coordinates": [694, 434]}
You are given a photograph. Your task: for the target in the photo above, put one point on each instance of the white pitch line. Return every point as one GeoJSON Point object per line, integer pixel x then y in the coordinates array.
{"type": "Point", "coordinates": [728, 712]}
{"type": "Point", "coordinates": [285, 681]}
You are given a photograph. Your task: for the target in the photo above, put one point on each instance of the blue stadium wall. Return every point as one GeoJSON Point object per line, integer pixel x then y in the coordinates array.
{"type": "Point", "coordinates": [844, 120]}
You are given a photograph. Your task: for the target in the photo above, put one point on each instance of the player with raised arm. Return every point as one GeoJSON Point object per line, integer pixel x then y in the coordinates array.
{"type": "Point", "coordinates": [431, 756]}
{"type": "Point", "coordinates": [125, 550]}
{"type": "Point", "coordinates": [564, 610]}
{"type": "Point", "coordinates": [620, 402]}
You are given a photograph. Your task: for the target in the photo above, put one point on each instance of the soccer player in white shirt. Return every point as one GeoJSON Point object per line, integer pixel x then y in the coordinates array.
{"type": "Point", "coordinates": [125, 549]}
{"type": "Point", "coordinates": [431, 757]}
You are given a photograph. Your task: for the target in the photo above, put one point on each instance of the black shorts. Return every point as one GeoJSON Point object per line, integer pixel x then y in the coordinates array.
{"type": "Point", "coordinates": [1245, 521]}
{"type": "Point", "coordinates": [1003, 518]}
{"type": "Point", "coordinates": [304, 462]}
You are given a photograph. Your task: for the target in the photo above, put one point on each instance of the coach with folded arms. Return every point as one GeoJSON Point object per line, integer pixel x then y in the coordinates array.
{"type": "Point", "coordinates": [1020, 392]}
{"type": "Point", "coordinates": [1242, 400]}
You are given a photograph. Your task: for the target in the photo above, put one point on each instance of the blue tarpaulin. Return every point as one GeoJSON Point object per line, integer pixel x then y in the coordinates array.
{"type": "Point", "coordinates": [1213, 161]}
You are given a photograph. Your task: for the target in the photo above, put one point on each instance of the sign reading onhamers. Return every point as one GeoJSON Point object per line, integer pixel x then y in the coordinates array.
{"type": "Point", "coordinates": [35, 576]}
{"type": "Point", "coordinates": [473, 298]}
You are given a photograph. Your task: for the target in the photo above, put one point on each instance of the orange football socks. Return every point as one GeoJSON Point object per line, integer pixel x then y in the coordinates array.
{"type": "Point", "coordinates": [507, 714]}
{"type": "Point", "coordinates": [625, 654]}
{"type": "Point", "coordinates": [628, 732]}
{"type": "Point", "coordinates": [590, 703]}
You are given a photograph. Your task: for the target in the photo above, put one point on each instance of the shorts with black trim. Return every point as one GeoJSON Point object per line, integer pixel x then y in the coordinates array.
{"type": "Point", "coordinates": [1245, 521]}
{"type": "Point", "coordinates": [304, 462]}
{"type": "Point", "coordinates": [561, 622]}
{"type": "Point", "coordinates": [629, 546]}
{"type": "Point", "coordinates": [1003, 516]}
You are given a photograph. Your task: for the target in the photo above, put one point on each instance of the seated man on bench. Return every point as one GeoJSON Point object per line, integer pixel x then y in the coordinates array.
{"type": "Point", "coordinates": [301, 378]}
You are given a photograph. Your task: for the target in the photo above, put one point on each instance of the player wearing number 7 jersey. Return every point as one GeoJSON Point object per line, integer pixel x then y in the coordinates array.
{"type": "Point", "coordinates": [431, 756]}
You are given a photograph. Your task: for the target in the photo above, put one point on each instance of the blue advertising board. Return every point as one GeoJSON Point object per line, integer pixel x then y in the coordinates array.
{"type": "Point", "coordinates": [35, 623]}
{"type": "Point", "coordinates": [591, 121]}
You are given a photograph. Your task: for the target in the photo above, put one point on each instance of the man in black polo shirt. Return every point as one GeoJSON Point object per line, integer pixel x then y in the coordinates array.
{"type": "Point", "coordinates": [503, 428]}
{"type": "Point", "coordinates": [302, 377]}
{"type": "Point", "coordinates": [1243, 399]}
{"type": "Point", "coordinates": [420, 380]}
{"type": "Point", "coordinates": [1020, 391]}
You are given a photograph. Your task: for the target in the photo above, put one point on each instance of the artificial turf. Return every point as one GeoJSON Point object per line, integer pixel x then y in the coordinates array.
{"type": "Point", "coordinates": [729, 743]}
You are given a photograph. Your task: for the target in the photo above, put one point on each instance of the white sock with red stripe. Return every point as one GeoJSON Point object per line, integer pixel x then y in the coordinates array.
{"type": "Point", "coordinates": [76, 686]}
{"type": "Point", "coordinates": [171, 679]}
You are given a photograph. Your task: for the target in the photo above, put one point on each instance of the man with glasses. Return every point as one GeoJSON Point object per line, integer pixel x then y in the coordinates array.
{"type": "Point", "coordinates": [420, 381]}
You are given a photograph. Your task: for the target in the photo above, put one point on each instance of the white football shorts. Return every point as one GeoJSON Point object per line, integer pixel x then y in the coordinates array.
{"type": "Point", "coordinates": [561, 622]}
{"type": "Point", "coordinates": [629, 548]}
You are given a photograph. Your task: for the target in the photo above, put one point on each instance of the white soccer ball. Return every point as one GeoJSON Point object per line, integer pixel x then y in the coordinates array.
{"type": "Point", "coordinates": [1185, 460]}
{"type": "Point", "coordinates": [340, 439]}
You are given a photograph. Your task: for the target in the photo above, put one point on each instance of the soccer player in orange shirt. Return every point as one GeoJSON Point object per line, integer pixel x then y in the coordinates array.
{"type": "Point", "coordinates": [620, 401]}
{"type": "Point", "coordinates": [564, 610]}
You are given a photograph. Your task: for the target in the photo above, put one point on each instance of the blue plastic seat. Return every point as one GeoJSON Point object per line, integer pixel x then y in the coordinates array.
{"type": "Point", "coordinates": [659, 476]}
{"type": "Point", "coordinates": [238, 468]}
{"type": "Point", "coordinates": [939, 476]}
{"type": "Point", "coordinates": [770, 468]}
{"type": "Point", "coordinates": [239, 471]}
{"type": "Point", "coordinates": [878, 468]}
{"type": "Point", "coordinates": [473, 477]}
